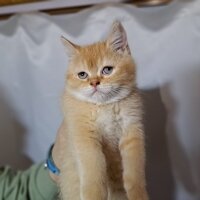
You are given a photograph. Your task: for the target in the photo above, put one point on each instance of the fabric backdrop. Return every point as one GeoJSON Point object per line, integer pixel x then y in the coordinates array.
{"type": "Point", "coordinates": [165, 42]}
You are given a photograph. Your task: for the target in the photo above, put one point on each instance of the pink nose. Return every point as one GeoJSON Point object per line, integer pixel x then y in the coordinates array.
{"type": "Point", "coordinates": [94, 83]}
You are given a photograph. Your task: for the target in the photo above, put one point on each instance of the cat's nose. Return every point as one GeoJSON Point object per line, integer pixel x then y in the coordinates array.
{"type": "Point", "coordinates": [94, 83]}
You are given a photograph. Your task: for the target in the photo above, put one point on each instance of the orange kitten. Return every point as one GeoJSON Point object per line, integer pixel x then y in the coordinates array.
{"type": "Point", "coordinates": [104, 157]}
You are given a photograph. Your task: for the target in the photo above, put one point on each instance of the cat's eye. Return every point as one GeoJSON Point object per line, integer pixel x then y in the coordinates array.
{"type": "Point", "coordinates": [107, 70]}
{"type": "Point", "coordinates": [82, 75]}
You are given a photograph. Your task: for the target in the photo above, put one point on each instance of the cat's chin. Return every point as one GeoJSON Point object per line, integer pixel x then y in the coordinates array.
{"type": "Point", "coordinates": [100, 98]}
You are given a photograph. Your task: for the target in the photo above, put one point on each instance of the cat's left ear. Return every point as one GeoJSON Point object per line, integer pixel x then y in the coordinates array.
{"type": "Point", "coordinates": [71, 48]}
{"type": "Point", "coordinates": [117, 39]}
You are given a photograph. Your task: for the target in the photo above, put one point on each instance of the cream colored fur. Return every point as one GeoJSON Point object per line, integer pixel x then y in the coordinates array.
{"type": "Point", "coordinates": [104, 157]}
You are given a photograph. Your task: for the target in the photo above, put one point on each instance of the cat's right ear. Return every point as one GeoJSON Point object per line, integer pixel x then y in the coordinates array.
{"type": "Point", "coordinates": [117, 39]}
{"type": "Point", "coordinates": [70, 47]}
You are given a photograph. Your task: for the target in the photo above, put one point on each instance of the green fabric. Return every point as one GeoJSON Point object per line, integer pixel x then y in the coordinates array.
{"type": "Point", "coordinates": [32, 184]}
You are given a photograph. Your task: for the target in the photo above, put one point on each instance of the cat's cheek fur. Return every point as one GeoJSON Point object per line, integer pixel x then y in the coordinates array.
{"type": "Point", "coordinates": [101, 97]}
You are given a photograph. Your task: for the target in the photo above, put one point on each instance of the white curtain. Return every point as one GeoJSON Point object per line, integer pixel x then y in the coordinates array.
{"type": "Point", "coordinates": [165, 42]}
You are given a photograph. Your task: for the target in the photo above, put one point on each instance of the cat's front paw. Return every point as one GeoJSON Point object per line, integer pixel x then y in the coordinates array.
{"type": "Point", "coordinates": [138, 193]}
{"type": "Point", "coordinates": [142, 196]}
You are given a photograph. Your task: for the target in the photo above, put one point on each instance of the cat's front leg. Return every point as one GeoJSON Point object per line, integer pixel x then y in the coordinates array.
{"type": "Point", "coordinates": [133, 159]}
{"type": "Point", "coordinates": [91, 165]}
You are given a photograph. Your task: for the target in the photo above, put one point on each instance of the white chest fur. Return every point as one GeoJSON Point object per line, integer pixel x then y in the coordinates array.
{"type": "Point", "coordinates": [114, 119]}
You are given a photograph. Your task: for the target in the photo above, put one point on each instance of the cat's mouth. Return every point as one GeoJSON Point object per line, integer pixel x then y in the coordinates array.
{"type": "Point", "coordinates": [94, 92]}
{"type": "Point", "coordinates": [102, 94]}
{"type": "Point", "coordinates": [97, 91]}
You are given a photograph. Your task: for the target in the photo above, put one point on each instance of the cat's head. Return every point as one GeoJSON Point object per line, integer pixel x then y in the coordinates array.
{"type": "Point", "coordinates": [103, 72]}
